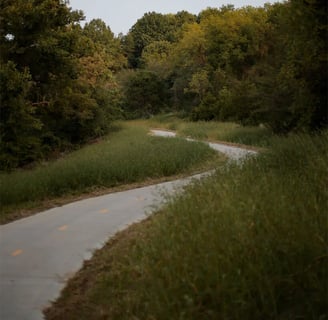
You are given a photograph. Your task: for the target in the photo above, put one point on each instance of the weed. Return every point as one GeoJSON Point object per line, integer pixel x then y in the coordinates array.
{"type": "Point", "coordinates": [126, 156]}
{"type": "Point", "coordinates": [211, 130]}
{"type": "Point", "coordinates": [249, 242]}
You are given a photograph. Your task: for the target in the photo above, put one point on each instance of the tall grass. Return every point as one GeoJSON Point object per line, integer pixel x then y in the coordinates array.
{"type": "Point", "coordinates": [127, 156]}
{"type": "Point", "coordinates": [249, 242]}
{"type": "Point", "coordinates": [213, 130]}
{"type": "Point", "coordinates": [227, 131]}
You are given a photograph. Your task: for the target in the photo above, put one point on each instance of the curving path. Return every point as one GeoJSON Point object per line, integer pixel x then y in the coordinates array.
{"type": "Point", "coordinates": [39, 253]}
{"type": "Point", "coordinates": [234, 153]}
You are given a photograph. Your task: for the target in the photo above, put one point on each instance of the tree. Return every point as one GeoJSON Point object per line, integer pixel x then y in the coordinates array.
{"type": "Point", "coordinates": [34, 34]}
{"type": "Point", "coordinates": [293, 77]}
{"type": "Point", "coordinates": [150, 28]}
{"type": "Point", "coordinates": [36, 46]}
{"type": "Point", "coordinates": [199, 84]}
{"type": "Point", "coordinates": [19, 127]}
{"type": "Point", "coordinates": [145, 95]}
{"type": "Point", "coordinates": [155, 57]}
{"type": "Point", "coordinates": [66, 91]}
{"type": "Point", "coordinates": [103, 40]}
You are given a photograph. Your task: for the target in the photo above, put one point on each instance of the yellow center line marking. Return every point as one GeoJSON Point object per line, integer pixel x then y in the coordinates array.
{"type": "Point", "coordinates": [62, 228]}
{"type": "Point", "coordinates": [17, 252]}
{"type": "Point", "coordinates": [103, 211]}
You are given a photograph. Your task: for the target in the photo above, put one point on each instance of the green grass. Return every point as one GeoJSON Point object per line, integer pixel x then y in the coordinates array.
{"type": "Point", "coordinates": [124, 157]}
{"type": "Point", "coordinates": [227, 131]}
{"type": "Point", "coordinates": [212, 130]}
{"type": "Point", "coordinates": [249, 242]}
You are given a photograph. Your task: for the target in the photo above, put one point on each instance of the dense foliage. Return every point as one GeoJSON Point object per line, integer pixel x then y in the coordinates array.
{"type": "Point", "coordinates": [57, 83]}
{"type": "Point", "coordinates": [250, 65]}
{"type": "Point", "coordinates": [62, 84]}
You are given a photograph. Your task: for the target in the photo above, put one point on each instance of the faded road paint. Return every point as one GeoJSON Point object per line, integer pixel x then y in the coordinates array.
{"type": "Point", "coordinates": [28, 284]}
{"type": "Point", "coordinates": [103, 211]}
{"type": "Point", "coordinates": [16, 253]}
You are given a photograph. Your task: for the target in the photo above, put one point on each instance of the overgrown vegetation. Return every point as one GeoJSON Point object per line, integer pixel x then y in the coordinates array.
{"type": "Point", "coordinates": [62, 84]}
{"type": "Point", "coordinates": [57, 84]}
{"type": "Point", "coordinates": [249, 242]}
{"type": "Point", "coordinates": [248, 65]}
{"type": "Point", "coordinates": [259, 136]}
{"type": "Point", "coordinates": [124, 157]}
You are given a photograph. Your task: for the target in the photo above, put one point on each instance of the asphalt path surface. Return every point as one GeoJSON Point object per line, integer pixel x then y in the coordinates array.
{"type": "Point", "coordinates": [40, 253]}
{"type": "Point", "coordinates": [233, 153]}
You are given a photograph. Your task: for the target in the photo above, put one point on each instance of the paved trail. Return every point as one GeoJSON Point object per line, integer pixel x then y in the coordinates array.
{"type": "Point", "coordinates": [234, 153]}
{"type": "Point", "coordinates": [39, 253]}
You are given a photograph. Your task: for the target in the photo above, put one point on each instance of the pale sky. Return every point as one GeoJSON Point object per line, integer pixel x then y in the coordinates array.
{"type": "Point", "coordinates": [121, 15]}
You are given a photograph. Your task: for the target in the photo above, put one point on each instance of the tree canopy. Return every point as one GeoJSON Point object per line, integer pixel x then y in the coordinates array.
{"type": "Point", "coordinates": [57, 83]}
{"type": "Point", "coordinates": [63, 83]}
{"type": "Point", "coordinates": [263, 65]}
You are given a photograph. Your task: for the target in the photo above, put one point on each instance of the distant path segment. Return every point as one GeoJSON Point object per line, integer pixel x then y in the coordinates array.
{"type": "Point", "coordinates": [40, 253]}
{"type": "Point", "coordinates": [234, 153]}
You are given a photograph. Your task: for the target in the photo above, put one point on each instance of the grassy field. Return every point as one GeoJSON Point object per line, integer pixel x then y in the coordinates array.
{"type": "Point", "coordinates": [249, 242]}
{"type": "Point", "coordinates": [211, 130]}
{"type": "Point", "coordinates": [125, 157]}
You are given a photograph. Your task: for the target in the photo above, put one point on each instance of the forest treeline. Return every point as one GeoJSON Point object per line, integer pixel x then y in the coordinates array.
{"type": "Point", "coordinates": [63, 83]}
